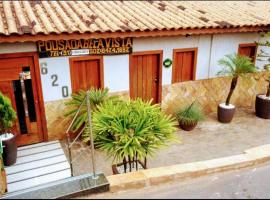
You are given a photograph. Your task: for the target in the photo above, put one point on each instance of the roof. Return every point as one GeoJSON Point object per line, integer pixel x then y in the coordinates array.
{"type": "Point", "coordinates": [58, 17]}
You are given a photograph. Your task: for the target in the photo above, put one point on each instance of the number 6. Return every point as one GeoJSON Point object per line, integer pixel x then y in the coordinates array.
{"type": "Point", "coordinates": [44, 69]}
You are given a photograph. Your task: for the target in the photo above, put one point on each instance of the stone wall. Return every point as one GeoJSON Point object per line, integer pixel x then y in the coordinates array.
{"type": "Point", "coordinates": [57, 123]}
{"type": "Point", "coordinates": [209, 93]}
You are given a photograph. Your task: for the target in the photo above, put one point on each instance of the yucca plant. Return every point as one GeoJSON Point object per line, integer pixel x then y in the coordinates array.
{"type": "Point", "coordinates": [235, 65]}
{"type": "Point", "coordinates": [97, 97]}
{"type": "Point", "coordinates": [189, 116]}
{"type": "Point", "coordinates": [131, 130]}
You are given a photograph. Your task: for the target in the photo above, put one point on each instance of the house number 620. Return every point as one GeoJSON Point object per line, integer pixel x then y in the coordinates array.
{"type": "Point", "coordinates": [54, 77]}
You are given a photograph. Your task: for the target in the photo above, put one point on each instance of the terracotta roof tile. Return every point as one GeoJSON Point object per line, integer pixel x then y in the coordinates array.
{"type": "Point", "coordinates": [45, 17]}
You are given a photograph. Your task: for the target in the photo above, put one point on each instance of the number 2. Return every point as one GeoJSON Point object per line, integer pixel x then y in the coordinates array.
{"type": "Point", "coordinates": [54, 77]}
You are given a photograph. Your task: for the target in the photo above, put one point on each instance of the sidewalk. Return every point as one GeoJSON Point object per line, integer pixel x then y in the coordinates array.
{"type": "Point", "coordinates": [209, 140]}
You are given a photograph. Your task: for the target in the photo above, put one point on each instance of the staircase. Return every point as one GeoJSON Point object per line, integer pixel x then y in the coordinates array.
{"type": "Point", "coordinates": [36, 165]}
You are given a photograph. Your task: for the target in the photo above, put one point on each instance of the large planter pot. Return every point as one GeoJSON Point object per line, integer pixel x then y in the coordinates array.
{"type": "Point", "coordinates": [187, 127]}
{"type": "Point", "coordinates": [225, 113]}
{"type": "Point", "coordinates": [116, 167]}
{"type": "Point", "coordinates": [9, 149]}
{"type": "Point", "coordinates": [262, 106]}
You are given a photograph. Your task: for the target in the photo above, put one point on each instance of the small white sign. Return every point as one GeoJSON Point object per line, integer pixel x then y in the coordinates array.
{"type": "Point", "coordinates": [78, 52]}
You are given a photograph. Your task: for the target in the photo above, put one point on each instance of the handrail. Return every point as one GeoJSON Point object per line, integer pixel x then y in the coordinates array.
{"type": "Point", "coordinates": [91, 134]}
{"type": "Point", "coordinates": [68, 136]}
{"type": "Point", "coordinates": [88, 105]}
{"type": "Point", "coordinates": [69, 145]}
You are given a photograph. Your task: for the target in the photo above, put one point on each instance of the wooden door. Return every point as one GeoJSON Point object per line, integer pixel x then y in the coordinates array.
{"type": "Point", "coordinates": [86, 72]}
{"type": "Point", "coordinates": [18, 83]}
{"type": "Point", "coordinates": [145, 75]}
{"type": "Point", "coordinates": [184, 65]}
{"type": "Point", "coordinates": [248, 50]}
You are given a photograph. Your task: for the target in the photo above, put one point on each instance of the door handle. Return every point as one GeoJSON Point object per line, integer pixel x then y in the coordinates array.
{"type": "Point", "coordinates": [156, 80]}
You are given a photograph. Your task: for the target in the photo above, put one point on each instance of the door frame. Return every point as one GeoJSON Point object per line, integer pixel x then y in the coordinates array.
{"type": "Point", "coordinates": [85, 58]}
{"type": "Point", "coordinates": [249, 45]}
{"type": "Point", "coordinates": [37, 87]}
{"type": "Point", "coordinates": [175, 51]}
{"type": "Point", "coordinates": [141, 53]}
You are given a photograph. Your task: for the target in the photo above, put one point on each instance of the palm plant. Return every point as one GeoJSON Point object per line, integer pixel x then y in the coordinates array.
{"type": "Point", "coordinates": [235, 65]}
{"type": "Point", "coordinates": [97, 97]}
{"type": "Point", "coordinates": [131, 130]}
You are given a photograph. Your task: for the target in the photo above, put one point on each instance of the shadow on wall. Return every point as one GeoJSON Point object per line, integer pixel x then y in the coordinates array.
{"type": "Point", "coordinates": [209, 93]}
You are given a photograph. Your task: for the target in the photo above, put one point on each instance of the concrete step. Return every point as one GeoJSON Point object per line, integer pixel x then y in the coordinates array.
{"type": "Point", "coordinates": [66, 188]}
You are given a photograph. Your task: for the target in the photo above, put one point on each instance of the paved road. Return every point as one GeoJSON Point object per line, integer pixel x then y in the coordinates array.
{"type": "Point", "coordinates": [246, 183]}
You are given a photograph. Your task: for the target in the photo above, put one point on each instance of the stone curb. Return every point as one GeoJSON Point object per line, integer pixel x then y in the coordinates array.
{"type": "Point", "coordinates": [155, 176]}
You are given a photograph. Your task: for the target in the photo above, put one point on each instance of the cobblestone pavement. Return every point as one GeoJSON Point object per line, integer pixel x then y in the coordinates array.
{"type": "Point", "coordinates": [209, 140]}
{"type": "Point", "coordinates": [252, 183]}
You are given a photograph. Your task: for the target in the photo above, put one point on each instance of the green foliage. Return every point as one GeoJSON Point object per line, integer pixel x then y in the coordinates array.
{"type": "Point", "coordinates": [97, 97]}
{"type": "Point", "coordinates": [190, 114]}
{"type": "Point", "coordinates": [7, 114]}
{"type": "Point", "coordinates": [133, 129]}
{"type": "Point", "coordinates": [236, 65]}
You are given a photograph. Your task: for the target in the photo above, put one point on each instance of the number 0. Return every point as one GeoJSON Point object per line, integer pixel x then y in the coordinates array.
{"type": "Point", "coordinates": [65, 91]}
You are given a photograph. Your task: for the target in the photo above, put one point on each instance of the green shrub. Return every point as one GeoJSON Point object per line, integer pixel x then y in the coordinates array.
{"type": "Point", "coordinates": [97, 97]}
{"type": "Point", "coordinates": [190, 114]}
{"type": "Point", "coordinates": [7, 114]}
{"type": "Point", "coordinates": [131, 129]}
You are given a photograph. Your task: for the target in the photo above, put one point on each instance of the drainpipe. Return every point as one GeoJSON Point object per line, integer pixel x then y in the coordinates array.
{"type": "Point", "coordinates": [210, 57]}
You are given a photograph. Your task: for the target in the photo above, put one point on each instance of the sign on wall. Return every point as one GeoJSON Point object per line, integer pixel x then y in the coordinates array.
{"type": "Point", "coordinates": [102, 46]}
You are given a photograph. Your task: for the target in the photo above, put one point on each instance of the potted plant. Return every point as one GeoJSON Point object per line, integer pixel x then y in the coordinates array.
{"type": "Point", "coordinates": [129, 131]}
{"type": "Point", "coordinates": [235, 65]}
{"type": "Point", "coordinates": [262, 104]}
{"type": "Point", "coordinates": [189, 116]}
{"type": "Point", "coordinates": [7, 119]}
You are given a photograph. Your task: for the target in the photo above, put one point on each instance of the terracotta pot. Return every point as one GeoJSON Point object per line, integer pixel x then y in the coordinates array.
{"type": "Point", "coordinates": [187, 127]}
{"type": "Point", "coordinates": [262, 107]}
{"type": "Point", "coordinates": [225, 115]}
{"type": "Point", "coordinates": [9, 151]}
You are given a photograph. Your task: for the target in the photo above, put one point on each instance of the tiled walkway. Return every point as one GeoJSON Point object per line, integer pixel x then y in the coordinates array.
{"type": "Point", "coordinates": [209, 140]}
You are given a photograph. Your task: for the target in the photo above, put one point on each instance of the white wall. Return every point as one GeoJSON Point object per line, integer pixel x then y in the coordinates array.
{"type": "Point", "coordinates": [116, 67]}
{"type": "Point", "coordinates": [18, 47]}
{"type": "Point", "coordinates": [224, 44]}
{"type": "Point", "coordinates": [55, 66]}
{"type": "Point", "coordinates": [167, 44]}
{"type": "Point", "coordinates": [116, 72]}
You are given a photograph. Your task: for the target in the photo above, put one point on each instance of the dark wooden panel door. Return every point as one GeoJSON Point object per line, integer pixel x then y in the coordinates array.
{"type": "Point", "coordinates": [184, 62]}
{"type": "Point", "coordinates": [248, 50]}
{"type": "Point", "coordinates": [145, 76]}
{"type": "Point", "coordinates": [17, 82]}
{"type": "Point", "coordinates": [86, 72]}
